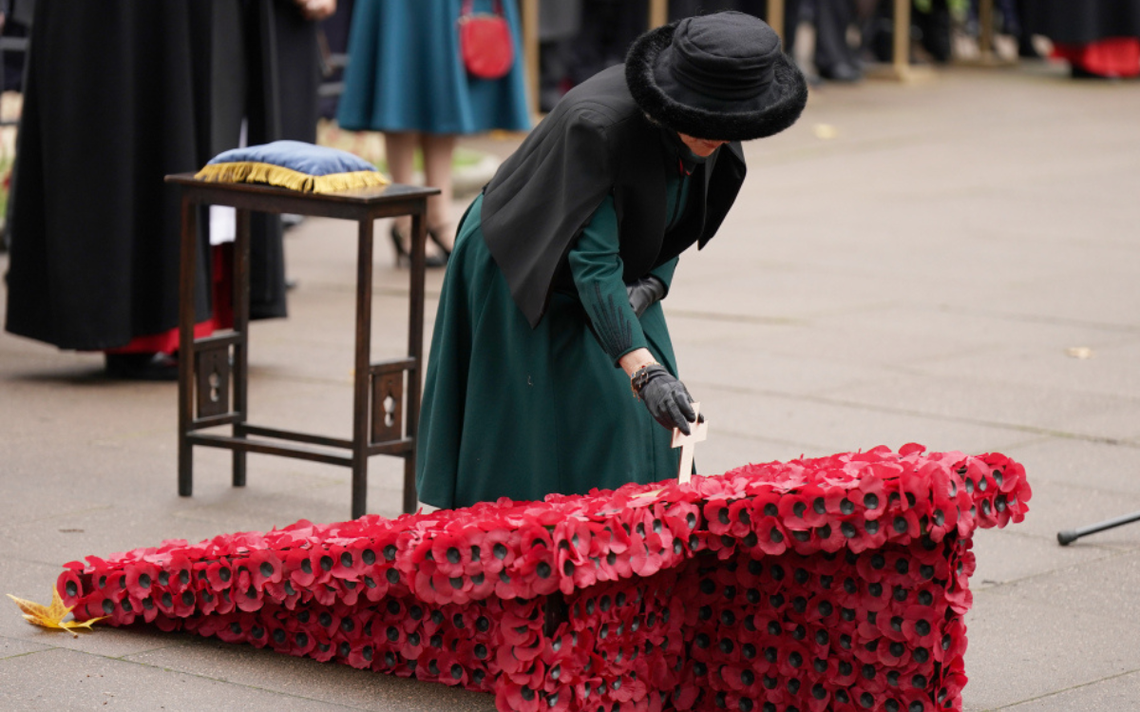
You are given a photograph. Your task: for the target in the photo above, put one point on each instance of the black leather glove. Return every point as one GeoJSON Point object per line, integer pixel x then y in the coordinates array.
{"type": "Point", "coordinates": [644, 293]}
{"type": "Point", "coordinates": [666, 398]}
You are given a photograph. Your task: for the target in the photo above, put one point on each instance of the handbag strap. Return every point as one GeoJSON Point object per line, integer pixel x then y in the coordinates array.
{"type": "Point", "coordinates": [468, 6]}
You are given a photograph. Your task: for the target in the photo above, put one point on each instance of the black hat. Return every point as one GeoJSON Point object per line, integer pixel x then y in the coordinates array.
{"type": "Point", "coordinates": [722, 76]}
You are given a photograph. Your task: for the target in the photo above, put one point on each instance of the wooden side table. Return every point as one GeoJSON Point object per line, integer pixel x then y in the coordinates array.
{"type": "Point", "coordinates": [213, 372]}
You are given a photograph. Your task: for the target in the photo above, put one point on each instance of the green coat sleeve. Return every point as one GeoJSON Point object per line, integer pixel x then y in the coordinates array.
{"type": "Point", "coordinates": [597, 271]}
{"type": "Point", "coordinates": [665, 273]}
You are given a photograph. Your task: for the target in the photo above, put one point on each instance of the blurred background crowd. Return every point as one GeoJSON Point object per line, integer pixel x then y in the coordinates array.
{"type": "Point", "coordinates": [102, 99]}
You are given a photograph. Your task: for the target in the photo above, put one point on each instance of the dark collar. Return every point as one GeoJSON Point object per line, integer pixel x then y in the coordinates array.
{"type": "Point", "coordinates": [677, 150]}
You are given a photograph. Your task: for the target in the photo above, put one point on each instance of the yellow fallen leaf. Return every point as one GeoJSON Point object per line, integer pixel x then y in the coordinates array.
{"type": "Point", "coordinates": [52, 616]}
{"type": "Point", "coordinates": [825, 131]}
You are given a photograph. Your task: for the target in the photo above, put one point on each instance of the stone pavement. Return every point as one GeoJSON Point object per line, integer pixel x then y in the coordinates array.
{"type": "Point", "coordinates": [954, 263]}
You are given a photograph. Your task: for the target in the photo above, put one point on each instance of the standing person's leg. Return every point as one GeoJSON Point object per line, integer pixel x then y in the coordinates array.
{"type": "Point", "coordinates": [439, 150]}
{"type": "Point", "coordinates": [1025, 47]}
{"type": "Point", "coordinates": [834, 58]}
{"type": "Point", "coordinates": [400, 151]}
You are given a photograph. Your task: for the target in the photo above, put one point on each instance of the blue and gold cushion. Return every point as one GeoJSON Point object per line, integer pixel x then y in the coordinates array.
{"type": "Point", "coordinates": [294, 165]}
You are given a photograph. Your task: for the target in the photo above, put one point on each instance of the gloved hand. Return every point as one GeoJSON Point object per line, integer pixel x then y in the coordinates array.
{"type": "Point", "coordinates": [644, 293]}
{"type": "Point", "coordinates": [666, 398]}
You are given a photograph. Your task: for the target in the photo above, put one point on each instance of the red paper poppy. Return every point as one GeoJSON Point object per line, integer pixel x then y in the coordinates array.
{"type": "Point", "coordinates": [873, 534]}
{"type": "Point", "coordinates": [682, 518]}
{"type": "Point", "coordinates": [284, 593]}
{"type": "Point", "coordinates": [686, 695]}
{"type": "Point", "coordinates": [440, 588]}
{"type": "Point", "coordinates": [298, 566]}
{"type": "Point", "coordinates": [264, 567]}
{"type": "Point", "coordinates": [648, 559]}
{"type": "Point", "coordinates": [166, 624]}
{"type": "Point", "coordinates": [915, 484]}
{"type": "Point", "coordinates": [830, 537]}
{"type": "Point", "coordinates": [141, 578]}
{"type": "Point", "coordinates": [70, 585]}
{"type": "Point", "coordinates": [959, 597]}
{"type": "Point", "coordinates": [177, 573]}
{"type": "Point", "coordinates": [347, 562]}
{"type": "Point", "coordinates": [207, 601]}
{"type": "Point", "coordinates": [510, 696]}
{"type": "Point", "coordinates": [113, 585]}
{"type": "Point", "coordinates": [717, 516]}
{"type": "Point", "coordinates": [225, 602]}
{"type": "Point", "coordinates": [220, 575]}
{"type": "Point", "coordinates": [323, 594]}
{"type": "Point", "coordinates": [233, 628]}
{"type": "Point", "coordinates": [904, 525]}
{"type": "Point", "coordinates": [952, 685]}
{"type": "Point", "coordinates": [450, 553]}
{"type": "Point", "coordinates": [249, 599]}
{"type": "Point", "coordinates": [322, 562]}
{"type": "Point", "coordinates": [497, 550]}
{"type": "Point", "coordinates": [375, 583]}
{"type": "Point", "coordinates": [348, 591]}
{"type": "Point", "coordinates": [361, 655]}
{"type": "Point", "coordinates": [870, 492]}
{"type": "Point", "coordinates": [532, 573]}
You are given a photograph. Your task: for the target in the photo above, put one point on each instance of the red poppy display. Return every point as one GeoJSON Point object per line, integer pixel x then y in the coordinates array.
{"type": "Point", "coordinates": [835, 583]}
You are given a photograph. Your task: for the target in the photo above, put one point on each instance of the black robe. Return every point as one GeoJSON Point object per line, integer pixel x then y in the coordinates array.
{"type": "Point", "coordinates": [595, 142]}
{"type": "Point", "coordinates": [118, 95]}
{"type": "Point", "coordinates": [1083, 22]}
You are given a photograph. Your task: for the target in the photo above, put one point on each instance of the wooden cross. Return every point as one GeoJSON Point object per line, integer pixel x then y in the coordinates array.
{"type": "Point", "coordinates": [699, 432]}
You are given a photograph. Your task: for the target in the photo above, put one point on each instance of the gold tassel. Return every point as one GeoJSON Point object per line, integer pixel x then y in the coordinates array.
{"type": "Point", "coordinates": [255, 172]}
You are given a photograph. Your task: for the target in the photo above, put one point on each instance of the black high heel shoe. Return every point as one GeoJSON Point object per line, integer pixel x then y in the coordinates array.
{"type": "Point", "coordinates": [404, 258]}
{"type": "Point", "coordinates": [433, 235]}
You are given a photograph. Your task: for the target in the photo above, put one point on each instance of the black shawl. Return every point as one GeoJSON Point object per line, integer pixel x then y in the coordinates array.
{"type": "Point", "coordinates": [595, 142]}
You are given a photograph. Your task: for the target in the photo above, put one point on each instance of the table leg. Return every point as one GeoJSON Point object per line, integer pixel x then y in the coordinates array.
{"type": "Point", "coordinates": [901, 50]}
{"type": "Point", "coordinates": [240, 369]}
{"type": "Point", "coordinates": [415, 350]}
{"type": "Point", "coordinates": [187, 260]}
{"type": "Point", "coordinates": [986, 29]}
{"type": "Point", "coordinates": [361, 376]}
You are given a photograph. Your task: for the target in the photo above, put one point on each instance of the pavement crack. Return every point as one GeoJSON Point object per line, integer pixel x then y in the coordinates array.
{"type": "Point", "coordinates": [1041, 319]}
{"type": "Point", "coordinates": [326, 704]}
{"type": "Point", "coordinates": [1109, 555]}
{"type": "Point", "coordinates": [1014, 705]}
{"type": "Point", "coordinates": [736, 318]}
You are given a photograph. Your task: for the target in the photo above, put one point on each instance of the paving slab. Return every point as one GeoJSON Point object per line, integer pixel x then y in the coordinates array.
{"type": "Point", "coordinates": [835, 425]}
{"type": "Point", "coordinates": [1118, 692]}
{"type": "Point", "coordinates": [10, 647]}
{"type": "Point", "coordinates": [332, 683]}
{"type": "Point", "coordinates": [95, 682]}
{"type": "Point", "coordinates": [907, 263]}
{"type": "Point", "coordinates": [1084, 465]}
{"type": "Point", "coordinates": [1021, 649]}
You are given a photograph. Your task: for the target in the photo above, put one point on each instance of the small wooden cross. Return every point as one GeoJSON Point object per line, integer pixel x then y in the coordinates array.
{"type": "Point", "coordinates": [699, 432]}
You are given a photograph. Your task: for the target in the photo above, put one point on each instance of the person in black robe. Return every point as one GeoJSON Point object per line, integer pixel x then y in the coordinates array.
{"type": "Point", "coordinates": [1099, 38]}
{"type": "Point", "coordinates": [118, 95]}
{"type": "Point", "coordinates": [550, 309]}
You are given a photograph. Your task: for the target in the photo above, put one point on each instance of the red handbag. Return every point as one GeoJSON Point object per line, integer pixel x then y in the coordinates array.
{"type": "Point", "coordinates": [485, 42]}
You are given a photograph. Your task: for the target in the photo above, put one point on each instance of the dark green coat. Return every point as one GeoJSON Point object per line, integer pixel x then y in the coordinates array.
{"type": "Point", "coordinates": [523, 397]}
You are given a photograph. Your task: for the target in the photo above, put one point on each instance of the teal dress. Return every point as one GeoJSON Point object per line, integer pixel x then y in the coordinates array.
{"type": "Point", "coordinates": [510, 411]}
{"type": "Point", "coordinates": [405, 72]}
